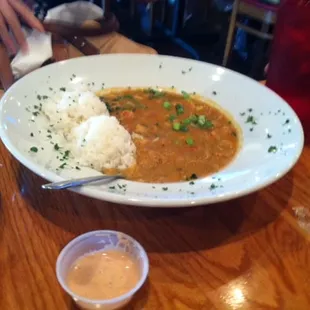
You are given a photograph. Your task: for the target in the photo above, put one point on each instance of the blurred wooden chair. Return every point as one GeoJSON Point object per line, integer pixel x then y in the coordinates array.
{"type": "Point", "coordinates": [265, 13]}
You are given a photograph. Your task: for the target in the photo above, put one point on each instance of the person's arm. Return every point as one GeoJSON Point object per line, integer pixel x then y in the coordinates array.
{"type": "Point", "coordinates": [10, 12]}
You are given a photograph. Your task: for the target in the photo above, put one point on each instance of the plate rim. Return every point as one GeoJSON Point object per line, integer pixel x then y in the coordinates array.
{"type": "Point", "coordinates": [145, 201]}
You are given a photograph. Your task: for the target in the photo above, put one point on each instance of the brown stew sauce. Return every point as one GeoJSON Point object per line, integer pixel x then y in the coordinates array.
{"type": "Point", "coordinates": [178, 136]}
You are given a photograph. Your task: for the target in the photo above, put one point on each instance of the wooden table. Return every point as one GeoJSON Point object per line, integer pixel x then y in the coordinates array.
{"type": "Point", "coordinates": [250, 253]}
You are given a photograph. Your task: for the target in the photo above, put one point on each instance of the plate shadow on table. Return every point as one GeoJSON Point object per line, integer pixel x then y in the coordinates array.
{"type": "Point", "coordinates": [171, 230]}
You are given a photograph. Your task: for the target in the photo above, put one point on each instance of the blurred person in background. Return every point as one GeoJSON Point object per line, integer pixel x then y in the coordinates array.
{"type": "Point", "coordinates": [13, 11]}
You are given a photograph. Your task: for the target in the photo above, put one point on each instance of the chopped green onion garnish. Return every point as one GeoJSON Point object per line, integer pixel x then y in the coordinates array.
{"type": "Point", "coordinates": [109, 108]}
{"type": "Point", "coordinates": [208, 124]}
{"type": "Point", "coordinates": [190, 141]}
{"type": "Point", "coordinates": [155, 93]}
{"type": "Point", "coordinates": [128, 97]}
{"type": "Point", "coordinates": [204, 123]}
{"type": "Point", "coordinates": [185, 95]}
{"type": "Point", "coordinates": [172, 118]}
{"type": "Point", "coordinates": [187, 121]}
{"type": "Point", "coordinates": [194, 118]}
{"type": "Point", "coordinates": [183, 128]}
{"type": "Point", "coordinates": [176, 126]}
{"type": "Point", "coordinates": [201, 120]}
{"type": "Point", "coordinates": [167, 105]}
{"type": "Point", "coordinates": [179, 109]}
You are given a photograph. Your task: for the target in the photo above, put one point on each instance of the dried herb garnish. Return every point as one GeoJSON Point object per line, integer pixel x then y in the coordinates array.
{"type": "Point", "coordinates": [213, 186]}
{"type": "Point", "coordinates": [34, 149]}
{"type": "Point", "coordinates": [192, 177]}
{"type": "Point", "coordinates": [251, 120]}
{"type": "Point", "coordinates": [155, 94]}
{"type": "Point", "coordinates": [66, 155]}
{"type": "Point", "coordinates": [56, 147]}
{"type": "Point", "coordinates": [272, 149]}
{"type": "Point", "coordinates": [62, 166]}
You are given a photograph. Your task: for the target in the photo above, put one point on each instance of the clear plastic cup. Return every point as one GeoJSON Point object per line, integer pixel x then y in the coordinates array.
{"type": "Point", "coordinates": [95, 241]}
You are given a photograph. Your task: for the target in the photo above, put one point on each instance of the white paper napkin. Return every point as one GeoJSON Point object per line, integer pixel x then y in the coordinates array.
{"type": "Point", "coordinates": [40, 45]}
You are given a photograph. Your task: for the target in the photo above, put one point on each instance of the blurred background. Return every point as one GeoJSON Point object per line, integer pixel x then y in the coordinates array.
{"type": "Point", "coordinates": [236, 34]}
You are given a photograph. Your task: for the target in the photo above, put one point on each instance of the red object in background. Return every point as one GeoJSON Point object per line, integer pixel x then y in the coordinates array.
{"type": "Point", "coordinates": [289, 69]}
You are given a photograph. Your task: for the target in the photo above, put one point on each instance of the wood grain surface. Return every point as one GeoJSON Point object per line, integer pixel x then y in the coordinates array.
{"type": "Point", "coordinates": [250, 253]}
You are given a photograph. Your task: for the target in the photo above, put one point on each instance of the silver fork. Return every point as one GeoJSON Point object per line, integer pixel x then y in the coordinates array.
{"type": "Point", "coordinates": [79, 182]}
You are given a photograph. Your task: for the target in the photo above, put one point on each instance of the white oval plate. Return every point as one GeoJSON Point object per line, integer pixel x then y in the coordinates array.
{"type": "Point", "coordinates": [255, 167]}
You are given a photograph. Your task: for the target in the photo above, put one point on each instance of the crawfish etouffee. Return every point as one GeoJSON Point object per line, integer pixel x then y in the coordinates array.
{"type": "Point", "coordinates": [178, 137]}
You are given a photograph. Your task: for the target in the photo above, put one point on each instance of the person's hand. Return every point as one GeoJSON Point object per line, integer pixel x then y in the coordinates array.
{"type": "Point", "coordinates": [10, 12]}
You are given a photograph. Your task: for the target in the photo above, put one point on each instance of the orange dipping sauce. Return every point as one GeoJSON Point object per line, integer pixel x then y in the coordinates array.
{"type": "Point", "coordinates": [103, 275]}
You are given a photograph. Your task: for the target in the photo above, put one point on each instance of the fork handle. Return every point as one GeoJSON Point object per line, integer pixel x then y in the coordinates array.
{"type": "Point", "coordinates": [77, 182]}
